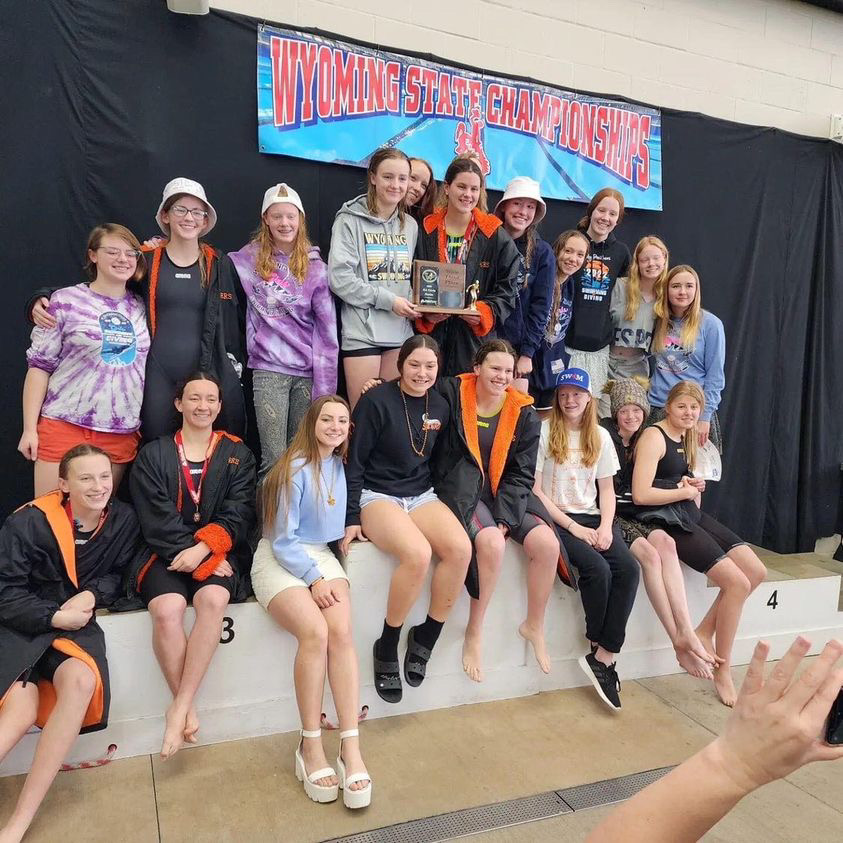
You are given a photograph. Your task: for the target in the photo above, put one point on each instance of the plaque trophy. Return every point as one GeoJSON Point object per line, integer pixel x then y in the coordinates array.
{"type": "Point", "coordinates": [441, 288]}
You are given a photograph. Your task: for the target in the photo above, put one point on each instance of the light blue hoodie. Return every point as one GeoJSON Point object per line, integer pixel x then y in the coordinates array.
{"type": "Point", "coordinates": [309, 518]}
{"type": "Point", "coordinates": [703, 364]}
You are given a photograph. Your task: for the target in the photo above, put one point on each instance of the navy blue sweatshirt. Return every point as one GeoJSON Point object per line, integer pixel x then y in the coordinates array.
{"type": "Point", "coordinates": [525, 326]}
{"type": "Point", "coordinates": [591, 322]}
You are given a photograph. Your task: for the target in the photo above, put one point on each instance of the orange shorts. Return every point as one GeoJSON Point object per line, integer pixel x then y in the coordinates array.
{"type": "Point", "coordinates": [56, 438]}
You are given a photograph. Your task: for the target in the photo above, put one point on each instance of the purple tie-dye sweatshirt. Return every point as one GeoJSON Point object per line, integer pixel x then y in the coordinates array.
{"type": "Point", "coordinates": [291, 328]}
{"type": "Point", "coordinates": [96, 359]}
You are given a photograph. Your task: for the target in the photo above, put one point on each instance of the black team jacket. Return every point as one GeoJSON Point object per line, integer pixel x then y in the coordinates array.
{"type": "Point", "coordinates": [41, 567]}
{"type": "Point", "coordinates": [458, 468]}
{"type": "Point", "coordinates": [226, 509]}
{"type": "Point", "coordinates": [494, 262]}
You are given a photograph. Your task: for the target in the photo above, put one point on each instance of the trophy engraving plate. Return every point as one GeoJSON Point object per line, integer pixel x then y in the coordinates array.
{"type": "Point", "coordinates": [440, 287]}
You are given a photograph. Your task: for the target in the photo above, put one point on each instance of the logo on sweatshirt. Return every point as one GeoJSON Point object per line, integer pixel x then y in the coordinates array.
{"type": "Point", "coordinates": [675, 357]}
{"type": "Point", "coordinates": [276, 296]}
{"type": "Point", "coordinates": [430, 424]}
{"type": "Point", "coordinates": [387, 257]}
{"type": "Point", "coordinates": [119, 345]}
{"type": "Point", "coordinates": [595, 280]}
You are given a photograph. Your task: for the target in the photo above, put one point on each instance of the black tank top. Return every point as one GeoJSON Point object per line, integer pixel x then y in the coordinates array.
{"type": "Point", "coordinates": [673, 466]}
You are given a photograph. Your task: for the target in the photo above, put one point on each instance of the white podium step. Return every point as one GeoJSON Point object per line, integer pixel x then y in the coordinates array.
{"type": "Point", "coordinates": [249, 692]}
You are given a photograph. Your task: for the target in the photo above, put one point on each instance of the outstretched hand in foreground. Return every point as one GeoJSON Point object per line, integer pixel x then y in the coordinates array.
{"type": "Point", "coordinates": [776, 726]}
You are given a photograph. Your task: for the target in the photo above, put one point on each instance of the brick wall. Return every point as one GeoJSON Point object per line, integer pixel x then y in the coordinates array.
{"type": "Point", "coordinates": [764, 62]}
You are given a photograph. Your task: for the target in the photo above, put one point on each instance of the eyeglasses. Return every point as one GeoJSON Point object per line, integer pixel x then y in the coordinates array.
{"type": "Point", "coordinates": [180, 211]}
{"type": "Point", "coordinates": [131, 254]}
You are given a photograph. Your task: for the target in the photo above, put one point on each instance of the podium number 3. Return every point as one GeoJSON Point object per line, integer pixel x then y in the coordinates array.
{"type": "Point", "coordinates": [773, 602]}
{"type": "Point", "coordinates": [227, 630]}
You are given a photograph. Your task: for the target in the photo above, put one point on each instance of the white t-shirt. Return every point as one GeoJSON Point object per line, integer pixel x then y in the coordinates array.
{"type": "Point", "coordinates": [572, 486]}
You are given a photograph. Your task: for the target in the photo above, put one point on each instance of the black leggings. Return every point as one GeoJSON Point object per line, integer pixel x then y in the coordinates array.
{"type": "Point", "coordinates": [707, 543]}
{"type": "Point", "coordinates": [608, 582]}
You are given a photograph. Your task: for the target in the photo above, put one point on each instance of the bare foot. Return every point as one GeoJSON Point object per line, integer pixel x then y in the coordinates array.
{"type": "Point", "coordinates": [692, 644]}
{"type": "Point", "coordinates": [173, 731]}
{"type": "Point", "coordinates": [472, 657]}
{"type": "Point", "coordinates": [536, 638]}
{"type": "Point", "coordinates": [354, 762]}
{"type": "Point", "coordinates": [693, 664]}
{"type": "Point", "coordinates": [707, 642]}
{"type": "Point", "coordinates": [191, 725]}
{"type": "Point", "coordinates": [314, 758]}
{"type": "Point", "coordinates": [724, 685]}
{"type": "Point", "coordinates": [12, 834]}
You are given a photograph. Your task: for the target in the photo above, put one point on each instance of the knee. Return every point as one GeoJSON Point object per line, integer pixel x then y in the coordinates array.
{"type": "Point", "coordinates": [738, 583]}
{"type": "Point", "coordinates": [78, 680]}
{"type": "Point", "coordinates": [167, 612]}
{"type": "Point", "coordinates": [491, 544]}
{"type": "Point", "coordinates": [339, 635]}
{"type": "Point", "coordinates": [457, 549]}
{"type": "Point", "coordinates": [315, 637]}
{"type": "Point", "coordinates": [662, 542]}
{"type": "Point", "coordinates": [544, 545]}
{"type": "Point", "coordinates": [211, 601]}
{"type": "Point", "coordinates": [756, 573]}
{"type": "Point", "coordinates": [648, 557]}
{"type": "Point", "coordinates": [417, 557]}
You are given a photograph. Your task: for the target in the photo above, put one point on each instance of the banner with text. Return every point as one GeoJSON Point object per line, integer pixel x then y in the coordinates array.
{"type": "Point", "coordinates": [331, 101]}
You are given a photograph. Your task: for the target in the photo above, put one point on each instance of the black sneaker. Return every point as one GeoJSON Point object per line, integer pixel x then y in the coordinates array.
{"type": "Point", "coordinates": [604, 678]}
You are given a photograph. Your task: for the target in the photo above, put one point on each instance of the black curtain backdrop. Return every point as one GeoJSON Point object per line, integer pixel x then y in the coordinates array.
{"type": "Point", "coordinates": [104, 102]}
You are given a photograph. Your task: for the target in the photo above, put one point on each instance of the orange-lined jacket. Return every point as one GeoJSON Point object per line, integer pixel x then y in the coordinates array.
{"type": "Point", "coordinates": [41, 567]}
{"type": "Point", "coordinates": [493, 261]}
{"type": "Point", "coordinates": [458, 471]}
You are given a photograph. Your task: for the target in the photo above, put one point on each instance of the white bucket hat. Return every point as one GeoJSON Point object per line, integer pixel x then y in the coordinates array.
{"type": "Point", "coordinates": [271, 197]}
{"type": "Point", "coordinates": [191, 188]}
{"type": "Point", "coordinates": [523, 187]}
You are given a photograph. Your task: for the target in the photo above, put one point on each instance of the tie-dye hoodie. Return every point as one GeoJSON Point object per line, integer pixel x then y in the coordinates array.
{"type": "Point", "coordinates": [96, 359]}
{"type": "Point", "coordinates": [291, 328]}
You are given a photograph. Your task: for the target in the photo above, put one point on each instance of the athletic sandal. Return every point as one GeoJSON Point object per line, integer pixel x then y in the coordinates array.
{"type": "Point", "coordinates": [317, 792]}
{"type": "Point", "coordinates": [387, 678]}
{"type": "Point", "coordinates": [353, 798]}
{"type": "Point", "coordinates": [415, 660]}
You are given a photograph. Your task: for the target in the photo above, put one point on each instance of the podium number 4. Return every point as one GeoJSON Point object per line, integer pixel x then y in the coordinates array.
{"type": "Point", "coordinates": [773, 602]}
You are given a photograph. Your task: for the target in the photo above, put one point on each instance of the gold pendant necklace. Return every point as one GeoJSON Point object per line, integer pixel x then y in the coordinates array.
{"type": "Point", "coordinates": [419, 452]}
{"type": "Point", "coordinates": [331, 499]}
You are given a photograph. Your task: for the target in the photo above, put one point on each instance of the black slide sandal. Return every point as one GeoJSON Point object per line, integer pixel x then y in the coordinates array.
{"type": "Point", "coordinates": [415, 660]}
{"type": "Point", "coordinates": [387, 678]}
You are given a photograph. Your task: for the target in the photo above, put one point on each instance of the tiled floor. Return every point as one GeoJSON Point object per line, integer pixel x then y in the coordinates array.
{"type": "Point", "coordinates": [429, 763]}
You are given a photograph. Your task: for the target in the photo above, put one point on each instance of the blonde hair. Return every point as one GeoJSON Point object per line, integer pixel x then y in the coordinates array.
{"type": "Point", "coordinates": [304, 445]}
{"type": "Point", "coordinates": [589, 434]}
{"type": "Point", "coordinates": [384, 154]}
{"type": "Point", "coordinates": [558, 246]}
{"type": "Point", "coordinates": [265, 262]}
{"type": "Point", "coordinates": [689, 437]}
{"type": "Point", "coordinates": [633, 287]}
{"type": "Point", "coordinates": [692, 319]}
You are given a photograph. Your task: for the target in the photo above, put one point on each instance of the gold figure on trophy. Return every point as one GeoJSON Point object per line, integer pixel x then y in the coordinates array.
{"type": "Point", "coordinates": [473, 290]}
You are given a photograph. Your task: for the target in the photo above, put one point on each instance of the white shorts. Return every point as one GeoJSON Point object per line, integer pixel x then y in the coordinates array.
{"type": "Point", "coordinates": [270, 578]}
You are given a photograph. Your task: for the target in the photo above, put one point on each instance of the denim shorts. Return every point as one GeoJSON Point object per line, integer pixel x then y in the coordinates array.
{"type": "Point", "coordinates": [407, 504]}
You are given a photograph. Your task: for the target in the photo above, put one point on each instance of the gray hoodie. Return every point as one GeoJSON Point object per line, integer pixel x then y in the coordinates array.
{"type": "Point", "coordinates": [370, 263]}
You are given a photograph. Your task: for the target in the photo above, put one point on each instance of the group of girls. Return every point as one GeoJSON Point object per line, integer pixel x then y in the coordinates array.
{"type": "Point", "coordinates": [449, 456]}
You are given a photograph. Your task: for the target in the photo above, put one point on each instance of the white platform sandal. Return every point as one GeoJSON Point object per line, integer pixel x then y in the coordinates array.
{"type": "Point", "coordinates": [353, 798]}
{"type": "Point", "coordinates": [317, 792]}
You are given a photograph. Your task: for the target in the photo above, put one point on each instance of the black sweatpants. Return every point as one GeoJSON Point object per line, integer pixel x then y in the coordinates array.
{"type": "Point", "coordinates": [608, 582]}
